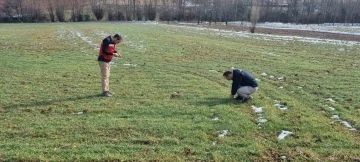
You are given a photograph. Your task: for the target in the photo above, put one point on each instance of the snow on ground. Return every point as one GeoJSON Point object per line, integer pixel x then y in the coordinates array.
{"type": "Point", "coordinates": [102, 33]}
{"type": "Point", "coordinates": [260, 120]}
{"type": "Point", "coordinates": [339, 28]}
{"type": "Point", "coordinates": [283, 134]}
{"type": "Point", "coordinates": [64, 34]}
{"type": "Point", "coordinates": [329, 28]}
{"type": "Point", "coordinates": [223, 133]}
{"type": "Point", "coordinates": [258, 36]}
{"type": "Point", "coordinates": [135, 45]}
{"type": "Point", "coordinates": [345, 123]}
{"type": "Point", "coordinates": [85, 39]}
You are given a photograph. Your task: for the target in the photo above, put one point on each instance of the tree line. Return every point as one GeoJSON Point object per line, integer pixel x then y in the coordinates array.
{"type": "Point", "coordinates": [287, 11]}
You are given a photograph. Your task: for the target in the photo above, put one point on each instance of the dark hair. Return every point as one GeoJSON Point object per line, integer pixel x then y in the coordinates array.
{"type": "Point", "coordinates": [118, 37]}
{"type": "Point", "coordinates": [226, 73]}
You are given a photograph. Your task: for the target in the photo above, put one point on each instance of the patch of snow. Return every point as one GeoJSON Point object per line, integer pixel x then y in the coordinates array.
{"type": "Point", "coordinates": [224, 133]}
{"type": "Point", "coordinates": [113, 63]}
{"type": "Point", "coordinates": [336, 117]}
{"type": "Point", "coordinates": [330, 99]}
{"type": "Point", "coordinates": [79, 113]}
{"type": "Point", "coordinates": [281, 107]}
{"type": "Point", "coordinates": [269, 53]}
{"type": "Point", "coordinates": [283, 39]}
{"type": "Point", "coordinates": [102, 34]}
{"type": "Point", "coordinates": [261, 120]}
{"type": "Point", "coordinates": [328, 28]}
{"type": "Point", "coordinates": [341, 49]}
{"type": "Point", "coordinates": [213, 143]}
{"type": "Point", "coordinates": [257, 109]}
{"type": "Point", "coordinates": [345, 123]}
{"type": "Point", "coordinates": [331, 108]}
{"type": "Point", "coordinates": [133, 44]}
{"type": "Point", "coordinates": [85, 39]}
{"type": "Point", "coordinates": [283, 134]}
{"type": "Point", "coordinates": [133, 65]}
{"type": "Point", "coordinates": [216, 119]}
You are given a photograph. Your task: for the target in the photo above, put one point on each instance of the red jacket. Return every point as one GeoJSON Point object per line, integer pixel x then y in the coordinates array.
{"type": "Point", "coordinates": [106, 55]}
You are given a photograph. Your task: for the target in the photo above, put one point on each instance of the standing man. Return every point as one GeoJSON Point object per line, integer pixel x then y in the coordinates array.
{"type": "Point", "coordinates": [107, 51]}
{"type": "Point", "coordinates": [244, 84]}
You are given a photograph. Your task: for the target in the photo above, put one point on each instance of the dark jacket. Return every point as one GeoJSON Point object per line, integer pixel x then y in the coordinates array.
{"type": "Point", "coordinates": [107, 49]}
{"type": "Point", "coordinates": [242, 78]}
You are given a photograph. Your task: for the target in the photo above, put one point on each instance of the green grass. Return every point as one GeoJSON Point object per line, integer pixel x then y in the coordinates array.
{"type": "Point", "coordinates": [49, 74]}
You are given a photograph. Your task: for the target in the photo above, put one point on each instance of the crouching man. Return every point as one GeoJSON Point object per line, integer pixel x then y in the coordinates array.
{"type": "Point", "coordinates": [243, 83]}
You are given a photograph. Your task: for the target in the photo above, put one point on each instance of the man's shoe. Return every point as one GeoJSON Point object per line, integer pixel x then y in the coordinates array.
{"type": "Point", "coordinates": [239, 98]}
{"type": "Point", "coordinates": [111, 93]}
{"type": "Point", "coordinates": [106, 94]}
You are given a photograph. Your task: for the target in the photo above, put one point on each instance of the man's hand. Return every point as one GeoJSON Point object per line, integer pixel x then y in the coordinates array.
{"type": "Point", "coordinates": [231, 96]}
{"type": "Point", "coordinates": [117, 54]}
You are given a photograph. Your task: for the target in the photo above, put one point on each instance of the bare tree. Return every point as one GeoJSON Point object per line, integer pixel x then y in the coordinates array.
{"type": "Point", "coordinates": [334, 8]}
{"type": "Point", "coordinates": [134, 9]}
{"type": "Point", "coordinates": [22, 11]}
{"type": "Point", "coordinates": [293, 9]}
{"type": "Point", "coordinates": [352, 9]}
{"type": "Point", "coordinates": [356, 12]}
{"type": "Point", "coordinates": [119, 11]}
{"type": "Point", "coordinates": [210, 10]}
{"type": "Point", "coordinates": [200, 8]}
{"type": "Point", "coordinates": [309, 7]}
{"type": "Point", "coordinates": [51, 10]}
{"type": "Point", "coordinates": [239, 11]}
{"type": "Point", "coordinates": [216, 10]}
{"type": "Point", "coordinates": [180, 9]}
{"type": "Point", "coordinates": [14, 9]}
{"type": "Point", "coordinates": [98, 8]}
{"type": "Point", "coordinates": [127, 6]}
{"type": "Point", "coordinates": [325, 13]}
{"type": "Point", "coordinates": [77, 10]}
{"type": "Point", "coordinates": [236, 9]}
{"type": "Point", "coordinates": [150, 11]}
{"type": "Point", "coordinates": [60, 9]}
{"type": "Point", "coordinates": [227, 11]}
{"type": "Point", "coordinates": [255, 15]}
{"type": "Point", "coordinates": [33, 11]}
{"type": "Point", "coordinates": [167, 11]}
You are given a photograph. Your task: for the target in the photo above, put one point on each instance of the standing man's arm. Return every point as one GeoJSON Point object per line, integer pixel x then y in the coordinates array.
{"type": "Point", "coordinates": [236, 83]}
{"type": "Point", "coordinates": [234, 87]}
{"type": "Point", "coordinates": [106, 42]}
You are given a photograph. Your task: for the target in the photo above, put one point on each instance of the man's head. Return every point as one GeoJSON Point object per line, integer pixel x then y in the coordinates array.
{"type": "Point", "coordinates": [228, 75]}
{"type": "Point", "coordinates": [117, 38]}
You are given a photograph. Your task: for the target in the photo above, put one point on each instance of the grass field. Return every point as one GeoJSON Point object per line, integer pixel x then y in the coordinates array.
{"type": "Point", "coordinates": [50, 108]}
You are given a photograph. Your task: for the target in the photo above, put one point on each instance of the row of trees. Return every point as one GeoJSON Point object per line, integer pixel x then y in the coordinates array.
{"type": "Point", "coordinates": [298, 11]}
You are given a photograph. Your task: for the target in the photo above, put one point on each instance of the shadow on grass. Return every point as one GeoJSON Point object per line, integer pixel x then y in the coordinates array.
{"type": "Point", "coordinates": [49, 102]}
{"type": "Point", "coordinates": [212, 101]}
